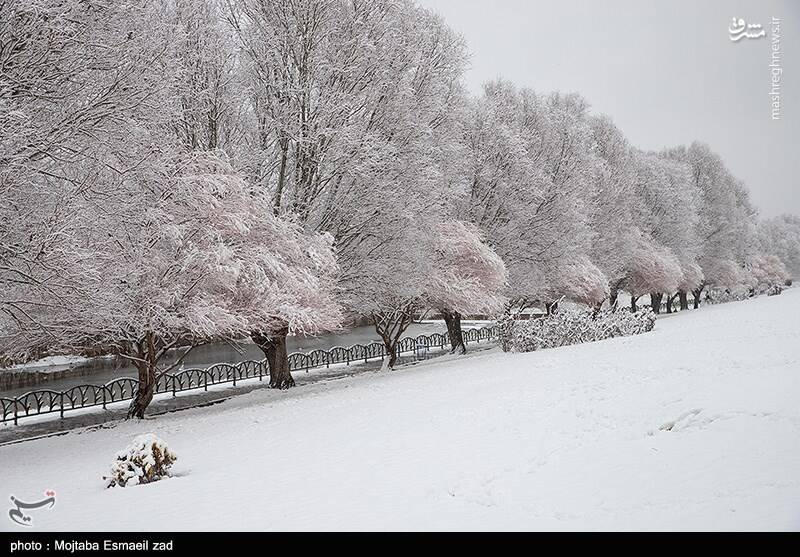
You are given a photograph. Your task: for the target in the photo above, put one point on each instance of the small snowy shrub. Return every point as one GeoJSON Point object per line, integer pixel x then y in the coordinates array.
{"type": "Point", "coordinates": [572, 326]}
{"type": "Point", "coordinates": [720, 296]}
{"type": "Point", "coordinates": [147, 459]}
{"type": "Point", "coordinates": [505, 326]}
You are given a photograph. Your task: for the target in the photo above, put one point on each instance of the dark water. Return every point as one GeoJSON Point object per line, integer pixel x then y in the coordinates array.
{"type": "Point", "coordinates": [102, 370]}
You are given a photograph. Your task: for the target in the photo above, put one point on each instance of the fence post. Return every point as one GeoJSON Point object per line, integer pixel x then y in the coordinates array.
{"type": "Point", "coordinates": [62, 405]}
{"type": "Point", "coordinates": [16, 410]}
{"type": "Point", "coordinates": [205, 379]}
{"type": "Point", "coordinates": [234, 376]}
{"type": "Point", "coordinates": [173, 385]}
{"type": "Point", "coordinates": [104, 397]}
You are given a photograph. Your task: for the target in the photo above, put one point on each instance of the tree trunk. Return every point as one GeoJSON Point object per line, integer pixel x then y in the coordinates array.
{"type": "Point", "coordinates": [696, 294]}
{"type": "Point", "coordinates": [669, 302]}
{"type": "Point", "coordinates": [551, 307]}
{"type": "Point", "coordinates": [454, 332]}
{"type": "Point", "coordinates": [145, 357]}
{"type": "Point", "coordinates": [391, 354]}
{"type": "Point", "coordinates": [274, 347]}
{"type": "Point", "coordinates": [612, 300]}
{"type": "Point", "coordinates": [633, 303]}
{"type": "Point", "coordinates": [281, 177]}
{"type": "Point", "coordinates": [390, 328]}
{"type": "Point", "coordinates": [655, 302]}
{"type": "Point", "coordinates": [684, 299]}
{"type": "Point", "coordinates": [144, 392]}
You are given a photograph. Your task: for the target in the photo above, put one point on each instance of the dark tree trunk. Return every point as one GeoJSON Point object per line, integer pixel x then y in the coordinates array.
{"type": "Point", "coordinates": [633, 303]}
{"type": "Point", "coordinates": [281, 176]}
{"type": "Point", "coordinates": [684, 299]}
{"type": "Point", "coordinates": [696, 294]}
{"type": "Point", "coordinates": [391, 353]}
{"type": "Point", "coordinates": [145, 360]}
{"type": "Point", "coordinates": [655, 302]}
{"type": "Point", "coordinates": [144, 392]}
{"type": "Point", "coordinates": [597, 309]}
{"type": "Point", "coordinates": [274, 347]}
{"type": "Point", "coordinates": [612, 299]}
{"type": "Point", "coordinates": [453, 321]}
{"type": "Point", "coordinates": [670, 299]}
{"type": "Point", "coordinates": [551, 307]}
{"type": "Point", "coordinates": [390, 328]}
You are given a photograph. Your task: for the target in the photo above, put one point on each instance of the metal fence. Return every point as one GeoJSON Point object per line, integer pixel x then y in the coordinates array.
{"type": "Point", "coordinates": [47, 401]}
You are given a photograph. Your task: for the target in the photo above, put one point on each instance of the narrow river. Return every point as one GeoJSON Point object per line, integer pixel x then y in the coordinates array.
{"type": "Point", "coordinates": [102, 370]}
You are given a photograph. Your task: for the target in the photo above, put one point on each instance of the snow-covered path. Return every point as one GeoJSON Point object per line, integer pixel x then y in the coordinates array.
{"type": "Point", "coordinates": [693, 426]}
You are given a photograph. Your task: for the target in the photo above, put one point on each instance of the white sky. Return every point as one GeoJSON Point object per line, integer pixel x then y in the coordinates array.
{"type": "Point", "coordinates": [665, 71]}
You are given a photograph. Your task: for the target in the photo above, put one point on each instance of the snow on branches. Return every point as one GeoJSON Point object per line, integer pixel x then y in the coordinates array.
{"type": "Point", "coordinates": [692, 276]}
{"type": "Point", "coordinates": [650, 267]}
{"type": "Point", "coordinates": [767, 273]}
{"type": "Point", "coordinates": [467, 275]}
{"type": "Point", "coordinates": [197, 257]}
{"type": "Point", "coordinates": [433, 265]}
{"type": "Point", "coordinates": [584, 282]}
{"type": "Point", "coordinates": [722, 273]}
{"type": "Point", "coordinates": [570, 326]}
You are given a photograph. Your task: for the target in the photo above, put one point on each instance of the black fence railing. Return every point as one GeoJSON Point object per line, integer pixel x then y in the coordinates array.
{"type": "Point", "coordinates": [47, 401]}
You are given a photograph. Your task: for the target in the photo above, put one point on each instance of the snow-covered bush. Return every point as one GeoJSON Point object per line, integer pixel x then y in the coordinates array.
{"type": "Point", "coordinates": [722, 296]}
{"type": "Point", "coordinates": [572, 326]}
{"type": "Point", "coordinates": [147, 459]}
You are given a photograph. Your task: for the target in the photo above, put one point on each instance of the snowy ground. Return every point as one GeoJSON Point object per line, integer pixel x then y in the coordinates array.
{"type": "Point", "coordinates": [693, 426]}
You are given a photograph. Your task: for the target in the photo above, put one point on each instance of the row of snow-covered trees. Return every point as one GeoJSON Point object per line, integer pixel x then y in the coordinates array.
{"type": "Point", "coordinates": [175, 173]}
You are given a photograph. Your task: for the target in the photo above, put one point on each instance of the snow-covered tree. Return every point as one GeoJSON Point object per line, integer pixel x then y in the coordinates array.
{"type": "Point", "coordinates": [356, 105]}
{"type": "Point", "coordinates": [666, 209]}
{"type": "Point", "coordinates": [649, 267]}
{"type": "Point", "coordinates": [200, 259]}
{"type": "Point", "coordinates": [766, 273]}
{"type": "Point", "coordinates": [440, 266]}
{"type": "Point", "coordinates": [613, 203]}
{"type": "Point", "coordinates": [468, 277]}
{"type": "Point", "coordinates": [213, 103]}
{"type": "Point", "coordinates": [80, 82]}
{"type": "Point", "coordinates": [584, 282]}
{"type": "Point", "coordinates": [530, 166]}
{"type": "Point", "coordinates": [723, 274]}
{"type": "Point", "coordinates": [780, 236]}
{"type": "Point", "coordinates": [726, 219]}
{"type": "Point", "coordinates": [692, 279]}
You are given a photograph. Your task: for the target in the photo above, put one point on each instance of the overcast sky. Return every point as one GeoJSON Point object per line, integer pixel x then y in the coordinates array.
{"type": "Point", "coordinates": [665, 71]}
